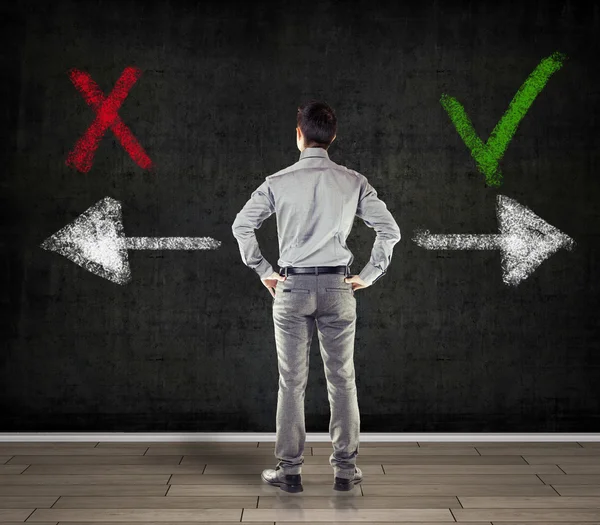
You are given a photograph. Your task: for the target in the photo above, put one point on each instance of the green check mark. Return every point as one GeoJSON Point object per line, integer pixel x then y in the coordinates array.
{"type": "Point", "coordinates": [489, 154]}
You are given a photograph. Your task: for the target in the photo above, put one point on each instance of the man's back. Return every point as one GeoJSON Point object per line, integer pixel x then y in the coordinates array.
{"type": "Point", "coordinates": [316, 200]}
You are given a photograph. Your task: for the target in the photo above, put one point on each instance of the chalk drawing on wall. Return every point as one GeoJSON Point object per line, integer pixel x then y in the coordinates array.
{"type": "Point", "coordinates": [525, 240]}
{"type": "Point", "coordinates": [96, 241]}
{"type": "Point", "coordinates": [106, 108]}
{"type": "Point", "coordinates": [489, 154]}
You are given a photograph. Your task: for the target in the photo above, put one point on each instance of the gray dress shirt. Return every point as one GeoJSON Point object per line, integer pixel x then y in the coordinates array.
{"type": "Point", "coordinates": [316, 200]}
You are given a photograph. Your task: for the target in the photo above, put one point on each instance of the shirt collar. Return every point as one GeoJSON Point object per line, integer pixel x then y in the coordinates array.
{"type": "Point", "coordinates": [313, 152]}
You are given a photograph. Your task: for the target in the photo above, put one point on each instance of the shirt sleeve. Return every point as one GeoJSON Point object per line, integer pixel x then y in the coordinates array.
{"type": "Point", "coordinates": [375, 214]}
{"type": "Point", "coordinates": [260, 206]}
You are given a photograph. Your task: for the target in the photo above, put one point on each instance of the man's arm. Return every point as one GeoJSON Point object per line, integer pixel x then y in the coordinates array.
{"type": "Point", "coordinates": [259, 207]}
{"type": "Point", "coordinates": [375, 214]}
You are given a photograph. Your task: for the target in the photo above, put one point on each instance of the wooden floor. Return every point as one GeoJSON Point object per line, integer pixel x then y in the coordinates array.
{"type": "Point", "coordinates": [211, 483]}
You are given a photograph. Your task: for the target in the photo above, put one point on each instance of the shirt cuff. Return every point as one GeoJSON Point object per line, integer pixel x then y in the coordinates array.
{"type": "Point", "coordinates": [370, 274]}
{"type": "Point", "coordinates": [264, 269]}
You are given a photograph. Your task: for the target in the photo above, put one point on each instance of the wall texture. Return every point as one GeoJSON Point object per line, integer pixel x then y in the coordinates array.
{"type": "Point", "coordinates": [442, 343]}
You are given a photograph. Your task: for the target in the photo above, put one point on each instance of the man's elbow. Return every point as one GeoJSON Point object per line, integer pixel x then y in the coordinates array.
{"type": "Point", "coordinates": [393, 234]}
{"type": "Point", "coordinates": [236, 228]}
{"type": "Point", "coordinates": [241, 229]}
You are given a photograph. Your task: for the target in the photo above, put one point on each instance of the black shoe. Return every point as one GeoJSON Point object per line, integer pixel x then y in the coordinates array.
{"type": "Point", "coordinates": [289, 483]}
{"type": "Point", "coordinates": [348, 483]}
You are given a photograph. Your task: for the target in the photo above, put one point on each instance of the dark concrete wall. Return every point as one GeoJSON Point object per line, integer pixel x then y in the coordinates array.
{"type": "Point", "coordinates": [442, 344]}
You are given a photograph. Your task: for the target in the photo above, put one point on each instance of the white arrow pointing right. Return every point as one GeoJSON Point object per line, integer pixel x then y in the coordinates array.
{"type": "Point", "coordinates": [525, 240]}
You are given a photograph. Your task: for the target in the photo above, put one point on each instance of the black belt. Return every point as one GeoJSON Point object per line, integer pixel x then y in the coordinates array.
{"type": "Point", "coordinates": [290, 270]}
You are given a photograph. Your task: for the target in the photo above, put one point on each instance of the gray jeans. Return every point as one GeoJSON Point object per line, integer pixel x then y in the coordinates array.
{"type": "Point", "coordinates": [301, 302]}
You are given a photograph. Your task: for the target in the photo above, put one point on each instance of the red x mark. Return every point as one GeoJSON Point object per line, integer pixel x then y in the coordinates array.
{"type": "Point", "coordinates": [82, 155]}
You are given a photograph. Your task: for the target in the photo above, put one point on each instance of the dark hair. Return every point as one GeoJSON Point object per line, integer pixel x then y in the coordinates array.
{"type": "Point", "coordinates": [318, 123]}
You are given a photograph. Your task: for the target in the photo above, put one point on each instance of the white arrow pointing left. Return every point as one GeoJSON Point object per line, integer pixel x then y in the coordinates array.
{"type": "Point", "coordinates": [96, 241]}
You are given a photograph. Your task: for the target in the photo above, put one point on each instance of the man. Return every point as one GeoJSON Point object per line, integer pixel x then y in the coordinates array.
{"type": "Point", "coordinates": [315, 200]}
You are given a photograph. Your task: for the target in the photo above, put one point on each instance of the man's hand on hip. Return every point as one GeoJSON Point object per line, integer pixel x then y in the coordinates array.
{"type": "Point", "coordinates": [271, 282]}
{"type": "Point", "coordinates": [356, 281]}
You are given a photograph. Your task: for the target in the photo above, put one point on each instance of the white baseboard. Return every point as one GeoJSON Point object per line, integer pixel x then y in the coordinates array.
{"type": "Point", "coordinates": [253, 437]}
